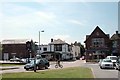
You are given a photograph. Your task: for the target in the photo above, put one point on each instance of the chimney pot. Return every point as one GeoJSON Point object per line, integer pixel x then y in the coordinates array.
{"type": "Point", "coordinates": [52, 40]}
{"type": "Point", "coordinates": [116, 32]}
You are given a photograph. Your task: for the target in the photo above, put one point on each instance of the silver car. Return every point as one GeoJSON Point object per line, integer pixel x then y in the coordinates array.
{"type": "Point", "coordinates": [106, 63]}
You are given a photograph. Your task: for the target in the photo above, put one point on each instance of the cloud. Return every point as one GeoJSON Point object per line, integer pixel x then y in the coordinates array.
{"type": "Point", "coordinates": [28, 20]}
{"type": "Point", "coordinates": [65, 37]}
{"type": "Point", "coordinates": [76, 22]}
{"type": "Point", "coordinates": [46, 15]}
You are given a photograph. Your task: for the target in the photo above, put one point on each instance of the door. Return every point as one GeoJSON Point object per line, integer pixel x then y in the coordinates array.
{"type": "Point", "coordinates": [6, 56]}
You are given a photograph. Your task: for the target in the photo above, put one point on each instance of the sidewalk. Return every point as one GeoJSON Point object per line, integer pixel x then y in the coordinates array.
{"type": "Point", "coordinates": [8, 67]}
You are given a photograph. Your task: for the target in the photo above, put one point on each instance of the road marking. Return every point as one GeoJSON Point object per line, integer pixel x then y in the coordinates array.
{"type": "Point", "coordinates": [93, 72]}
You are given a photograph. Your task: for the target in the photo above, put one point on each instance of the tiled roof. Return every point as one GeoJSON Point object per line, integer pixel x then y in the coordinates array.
{"type": "Point", "coordinates": [15, 41]}
{"type": "Point", "coordinates": [115, 36]}
{"type": "Point", "coordinates": [58, 41]}
{"type": "Point", "coordinates": [94, 32]}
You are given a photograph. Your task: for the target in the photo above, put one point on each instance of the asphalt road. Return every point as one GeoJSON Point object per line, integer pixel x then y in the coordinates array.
{"type": "Point", "coordinates": [102, 73]}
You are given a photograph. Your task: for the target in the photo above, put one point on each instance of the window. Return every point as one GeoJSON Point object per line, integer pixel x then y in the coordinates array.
{"type": "Point", "coordinates": [58, 47]}
{"type": "Point", "coordinates": [45, 49]}
{"type": "Point", "coordinates": [98, 42]}
{"type": "Point", "coordinates": [40, 48]}
{"type": "Point", "coordinates": [114, 44]}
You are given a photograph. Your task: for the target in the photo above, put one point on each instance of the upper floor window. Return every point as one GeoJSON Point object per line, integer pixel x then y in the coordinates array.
{"type": "Point", "coordinates": [58, 47]}
{"type": "Point", "coordinates": [114, 44]}
{"type": "Point", "coordinates": [98, 42]}
{"type": "Point", "coordinates": [44, 49]}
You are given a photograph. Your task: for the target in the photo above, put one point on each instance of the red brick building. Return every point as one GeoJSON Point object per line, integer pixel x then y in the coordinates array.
{"type": "Point", "coordinates": [14, 48]}
{"type": "Point", "coordinates": [97, 44]}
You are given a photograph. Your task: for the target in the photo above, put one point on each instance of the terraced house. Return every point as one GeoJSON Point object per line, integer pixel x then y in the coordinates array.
{"type": "Point", "coordinates": [116, 44]}
{"type": "Point", "coordinates": [97, 44]}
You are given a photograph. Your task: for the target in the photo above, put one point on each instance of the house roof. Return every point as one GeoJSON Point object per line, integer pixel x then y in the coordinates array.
{"type": "Point", "coordinates": [97, 28]}
{"type": "Point", "coordinates": [58, 41]}
{"type": "Point", "coordinates": [15, 41]}
{"type": "Point", "coordinates": [115, 37]}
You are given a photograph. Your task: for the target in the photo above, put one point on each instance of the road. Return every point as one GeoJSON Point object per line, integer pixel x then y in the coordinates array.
{"type": "Point", "coordinates": [98, 73]}
{"type": "Point", "coordinates": [102, 73]}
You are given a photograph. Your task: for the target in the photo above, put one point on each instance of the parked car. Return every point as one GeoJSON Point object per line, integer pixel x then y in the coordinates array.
{"type": "Point", "coordinates": [106, 63]}
{"type": "Point", "coordinates": [15, 59]}
{"type": "Point", "coordinates": [117, 67]}
{"type": "Point", "coordinates": [40, 64]}
{"type": "Point", "coordinates": [113, 59]}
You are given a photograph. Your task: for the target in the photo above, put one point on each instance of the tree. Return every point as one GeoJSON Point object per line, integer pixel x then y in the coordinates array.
{"type": "Point", "coordinates": [0, 50]}
{"type": "Point", "coordinates": [82, 49]}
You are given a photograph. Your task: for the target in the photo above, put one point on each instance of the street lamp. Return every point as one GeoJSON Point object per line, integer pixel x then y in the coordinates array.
{"type": "Point", "coordinates": [39, 40]}
{"type": "Point", "coordinates": [34, 50]}
{"type": "Point", "coordinates": [36, 56]}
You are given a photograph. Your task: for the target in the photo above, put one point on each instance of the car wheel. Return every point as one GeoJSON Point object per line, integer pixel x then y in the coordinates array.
{"type": "Point", "coordinates": [46, 67]}
{"type": "Point", "coordinates": [116, 68]}
{"type": "Point", "coordinates": [101, 67]}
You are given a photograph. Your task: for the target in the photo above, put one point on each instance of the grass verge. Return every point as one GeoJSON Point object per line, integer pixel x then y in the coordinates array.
{"type": "Point", "coordinates": [74, 72]}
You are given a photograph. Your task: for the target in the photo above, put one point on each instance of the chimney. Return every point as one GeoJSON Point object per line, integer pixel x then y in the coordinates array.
{"type": "Point", "coordinates": [52, 40]}
{"type": "Point", "coordinates": [116, 32]}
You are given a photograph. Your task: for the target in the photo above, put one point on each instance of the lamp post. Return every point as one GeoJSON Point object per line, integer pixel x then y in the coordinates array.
{"type": "Point", "coordinates": [39, 40]}
{"type": "Point", "coordinates": [35, 57]}
{"type": "Point", "coordinates": [34, 50]}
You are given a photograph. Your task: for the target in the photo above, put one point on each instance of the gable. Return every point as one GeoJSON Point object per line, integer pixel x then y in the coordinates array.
{"type": "Point", "coordinates": [97, 33]}
{"type": "Point", "coordinates": [115, 37]}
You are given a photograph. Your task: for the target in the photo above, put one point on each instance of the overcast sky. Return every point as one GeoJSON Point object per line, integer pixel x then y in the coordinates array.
{"type": "Point", "coordinates": [69, 21]}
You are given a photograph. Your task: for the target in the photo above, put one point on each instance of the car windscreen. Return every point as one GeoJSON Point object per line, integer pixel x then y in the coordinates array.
{"type": "Point", "coordinates": [107, 60]}
{"type": "Point", "coordinates": [45, 60]}
{"type": "Point", "coordinates": [32, 62]}
{"type": "Point", "coordinates": [113, 58]}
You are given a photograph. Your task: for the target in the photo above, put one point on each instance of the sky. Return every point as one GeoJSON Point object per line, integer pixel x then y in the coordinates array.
{"type": "Point", "coordinates": [69, 21]}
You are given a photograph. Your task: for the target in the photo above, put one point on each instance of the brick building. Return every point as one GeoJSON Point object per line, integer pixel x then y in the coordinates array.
{"type": "Point", "coordinates": [116, 44]}
{"type": "Point", "coordinates": [14, 48]}
{"type": "Point", "coordinates": [97, 44]}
